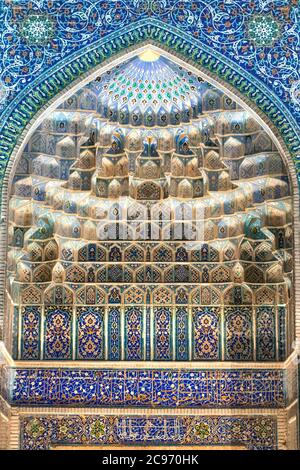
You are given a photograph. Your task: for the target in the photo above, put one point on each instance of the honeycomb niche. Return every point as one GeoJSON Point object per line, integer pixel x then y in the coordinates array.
{"type": "Point", "coordinates": [150, 219]}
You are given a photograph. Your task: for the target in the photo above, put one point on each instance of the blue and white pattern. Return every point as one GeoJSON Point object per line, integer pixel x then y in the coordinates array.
{"type": "Point", "coordinates": [223, 25]}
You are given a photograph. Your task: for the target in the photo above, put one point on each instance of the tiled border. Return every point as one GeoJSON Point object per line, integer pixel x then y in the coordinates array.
{"type": "Point", "coordinates": [253, 431]}
{"type": "Point", "coordinates": [149, 388]}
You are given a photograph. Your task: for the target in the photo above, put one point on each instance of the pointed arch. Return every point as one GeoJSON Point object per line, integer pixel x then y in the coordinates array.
{"type": "Point", "coordinates": [60, 82]}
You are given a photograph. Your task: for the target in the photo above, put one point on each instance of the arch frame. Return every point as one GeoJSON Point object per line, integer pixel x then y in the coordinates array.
{"type": "Point", "coordinates": [25, 115]}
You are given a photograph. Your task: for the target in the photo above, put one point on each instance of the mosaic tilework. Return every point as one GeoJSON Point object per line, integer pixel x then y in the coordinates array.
{"type": "Point", "coordinates": [58, 339]}
{"type": "Point", "coordinates": [163, 333]}
{"type": "Point", "coordinates": [31, 324]}
{"type": "Point", "coordinates": [265, 338]}
{"type": "Point", "coordinates": [233, 31]}
{"type": "Point", "coordinates": [90, 334]}
{"type": "Point", "coordinates": [37, 29]}
{"type": "Point", "coordinates": [137, 333]}
{"type": "Point", "coordinates": [182, 344]}
{"type": "Point", "coordinates": [263, 30]}
{"type": "Point", "coordinates": [114, 339]}
{"type": "Point", "coordinates": [206, 333]}
{"type": "Point", "coordinates": [149, 388]}
{"type": "Point", "coordinates": [238, 333]}
{"type": "Point", "coordinates": [282, 331]}
{"type": "Point", "coordinates": [256, 433]}
{"type": "Point", "coordinates": [134, 333]}
{"type": "Point", "coordinates": [254, 74]}
{"type": "Point", "coordinates": [40, 26]}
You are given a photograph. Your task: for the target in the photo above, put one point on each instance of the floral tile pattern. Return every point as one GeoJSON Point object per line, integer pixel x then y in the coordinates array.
{"type": "Point", "coordinates": [43, 432]}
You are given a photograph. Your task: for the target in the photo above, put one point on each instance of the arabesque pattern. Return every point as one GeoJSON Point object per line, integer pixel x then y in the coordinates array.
{"type": "Point", "coordinates": [255, 433]}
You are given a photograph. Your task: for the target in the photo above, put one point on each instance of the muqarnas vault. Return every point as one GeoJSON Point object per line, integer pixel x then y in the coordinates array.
{"type": "Point", "coordinates": [151, 224]}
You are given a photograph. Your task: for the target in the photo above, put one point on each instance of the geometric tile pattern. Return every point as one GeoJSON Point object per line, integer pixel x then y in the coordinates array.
{"type": "Point", "coordinates": [58, 333]}
{"type": "Point", "coordinates": [144, 220]}
{"type": "Point", "coordinates": [238, 333]}
{"type": "Point", "coordinates": [43, 432]}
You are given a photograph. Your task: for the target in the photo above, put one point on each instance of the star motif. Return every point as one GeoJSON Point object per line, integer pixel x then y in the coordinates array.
{"type": "Point", "coordinates": [37, 29]}
{"type": "Point", "coordinates": [263, 31]}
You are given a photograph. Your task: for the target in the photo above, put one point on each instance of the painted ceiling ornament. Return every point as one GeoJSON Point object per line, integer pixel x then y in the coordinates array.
{"type": "Point", "coordinates": [117, 142]}
{"type": "Point", "coordinates": [37, 29]}
{"type": "Point", "coordinates": [150, 90]}
{"type": "Point", "coordinates": [150, 147]}
{"type": "Point", "coordinates": [263, 30]}
{"type": "Point", "coordinates": [182, 144]}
